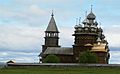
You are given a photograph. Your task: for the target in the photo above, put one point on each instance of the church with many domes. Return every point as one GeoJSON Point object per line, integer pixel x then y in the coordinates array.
{"type": "Point", "coordinates": [87, 36]}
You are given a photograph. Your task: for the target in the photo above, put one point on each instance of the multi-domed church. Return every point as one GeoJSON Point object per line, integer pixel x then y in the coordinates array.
{"type": "Point", "coordinates": [87, 36]}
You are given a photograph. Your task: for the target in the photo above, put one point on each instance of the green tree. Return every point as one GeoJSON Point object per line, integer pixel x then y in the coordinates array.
{"type": "Point", "coordinates": [51, 59]}
{"type": "Point", "coordinates": [88, 57]}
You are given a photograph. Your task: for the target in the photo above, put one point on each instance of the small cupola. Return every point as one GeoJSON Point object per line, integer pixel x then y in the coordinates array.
{"type": "Point", "coordinates": [91, 16]}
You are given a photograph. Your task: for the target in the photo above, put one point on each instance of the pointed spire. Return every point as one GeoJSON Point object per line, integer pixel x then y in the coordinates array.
{"type": "Point", "coordinates": [79, 20]}
{"type": "Point", "coordinates": [100, 24]}
{"type": "Point", "coordinates": [86, 14]}
{"type": "Point", "coordinates": [52, 13]}
{"type": "Point", "coordinates": [85, 20]}
{"type": "Point", "coordinates": [76, 21]}
{"type": "Point", "coordinates": [91, 7]}
{"type": "Point", "coordinates": [52, 27]}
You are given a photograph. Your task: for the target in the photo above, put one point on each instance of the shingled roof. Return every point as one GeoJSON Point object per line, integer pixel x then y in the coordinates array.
{"type": "Point", "coordinates": [52, 27]}
{"type": "Point", "coordinates": [59, 50]}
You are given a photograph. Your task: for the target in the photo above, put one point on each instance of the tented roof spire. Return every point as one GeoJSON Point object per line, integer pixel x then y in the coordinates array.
{"type": "Point", "coordinates": [52, 27]}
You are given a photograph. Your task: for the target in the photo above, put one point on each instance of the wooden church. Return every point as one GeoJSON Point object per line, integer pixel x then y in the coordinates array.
{"type": "Point", "coordinates": [86, 36]}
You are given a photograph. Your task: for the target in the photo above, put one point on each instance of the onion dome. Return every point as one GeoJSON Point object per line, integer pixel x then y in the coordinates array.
{"type": "Point", "coordinates": [103, 36]}
{"type": "Point", "coordinates": [76, 26]}
{"type": "Point", "coordinates": [79, 25]}
{"type": "Point", "coordinates": [100, 29]}
{"type": "Point", "coordinates": [96, 23]}
{"type": "Point", "coordinates": [91, 16]}
{"type": "Point", "coordinates": [98, 39]}
{"type": "Point", "coordinates": [85, 21]}
{"type": "Point", "coordinates": [86, 28]}
{"type": "Point", "coordinates": [93, 29]}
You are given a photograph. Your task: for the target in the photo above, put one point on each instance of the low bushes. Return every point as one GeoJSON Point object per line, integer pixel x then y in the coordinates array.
{"type": "Point", "coordinates": [51, 59]}
{"type": "Point", "coordinates": [88, 57]}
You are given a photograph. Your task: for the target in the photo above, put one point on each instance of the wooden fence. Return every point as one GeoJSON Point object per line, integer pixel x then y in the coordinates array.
{"type": "Point", "coordinates": [63, 65]}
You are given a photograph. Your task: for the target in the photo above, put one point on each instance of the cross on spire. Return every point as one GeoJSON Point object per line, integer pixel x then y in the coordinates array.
{"type": "Point", "coordinates": [76, 21]}
{"type": "Point", "coordinates": [52, 13]}
{"type": "Point", "coordinates": [79, 20]}
{"type": "Point", "coordinates": [91, 7]}
{"type": "Point", "coordinates": [86, 14]}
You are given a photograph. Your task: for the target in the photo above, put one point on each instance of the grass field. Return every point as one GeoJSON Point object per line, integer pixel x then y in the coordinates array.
{"type": "Point", "coordinates": [67, 70]}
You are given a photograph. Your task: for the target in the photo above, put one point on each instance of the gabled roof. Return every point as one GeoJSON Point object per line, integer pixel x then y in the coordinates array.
{"type": "Point", "coordinates": [52, 27]}
{"type": "Point", "coordinates": [10, 61]}
{"type": "Point", "coordinates": [59, 50]}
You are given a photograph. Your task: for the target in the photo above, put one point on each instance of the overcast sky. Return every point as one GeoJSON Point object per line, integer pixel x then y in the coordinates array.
{"type": "Point", "coordinates": [23, 22]}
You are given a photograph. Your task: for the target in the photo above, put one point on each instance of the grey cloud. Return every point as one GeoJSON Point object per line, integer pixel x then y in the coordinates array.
{"type": "Point", "coordinates": [15, 38]}
{"type": "Point", "coordinates": [114, 59]}
{"type": "Point", "coordinates": [19, 56]}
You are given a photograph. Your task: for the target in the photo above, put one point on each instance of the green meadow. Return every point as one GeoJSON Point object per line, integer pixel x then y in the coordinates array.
{"type": "Point", "coordinates": [60, 70]}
